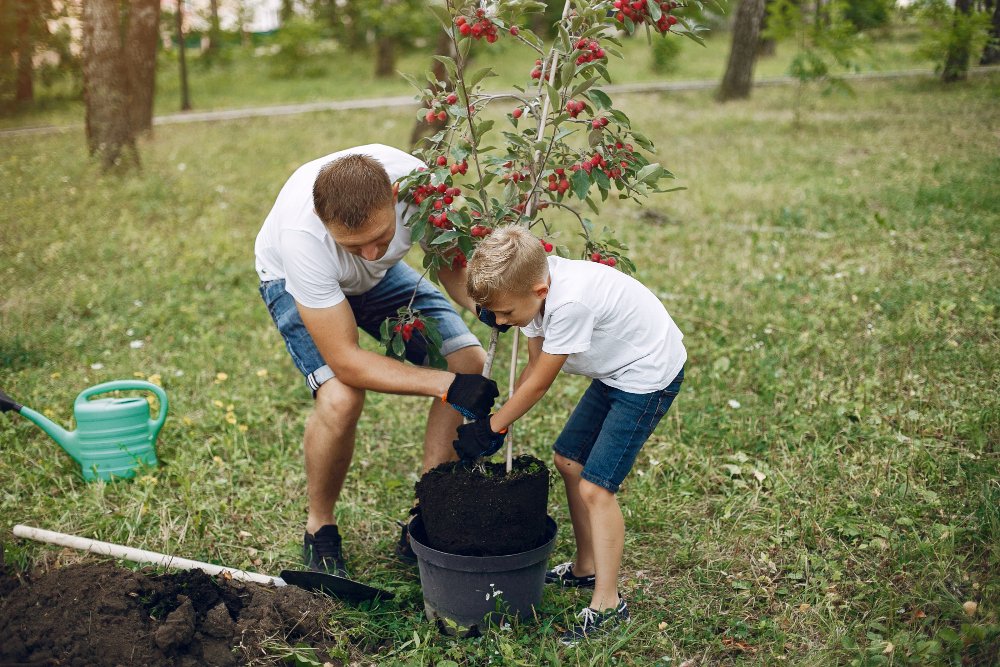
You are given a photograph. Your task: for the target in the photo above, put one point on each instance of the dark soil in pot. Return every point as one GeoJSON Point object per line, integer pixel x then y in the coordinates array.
{"type": "Point", "coordinates": [483, 511]}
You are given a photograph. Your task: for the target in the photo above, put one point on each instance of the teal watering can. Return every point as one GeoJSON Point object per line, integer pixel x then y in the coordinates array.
{"type": "Point", "coordinates": [113, 436]}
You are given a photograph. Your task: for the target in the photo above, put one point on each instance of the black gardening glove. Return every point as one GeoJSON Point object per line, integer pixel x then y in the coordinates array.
{"type": "Point", "coordinates": [477, 439]}
{"type": "Point", "coordinates": [472, 395]}
{"type": "Point", "coordinates": [487, 317]}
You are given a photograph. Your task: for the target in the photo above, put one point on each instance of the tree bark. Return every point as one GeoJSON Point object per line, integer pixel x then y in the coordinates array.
{"type": "Point", "coordinates": [109, 133]}
{"type": "Point", "coordinates": [182, 58]}
{"type": "Point", "coordinates": [214, 27]}
{"type": "Point", "coordinates": [738, 79]}
{"type": "Point", "coordinates": [24, 91]}
{"type": "Point", "coordinates": [140, 61]}
{"type": "Point", "coordinates": [287, 11]}
{"type": "Point", "coordinates": [422, 128]}
{"type": "Point", "coordinates": [956, 65]}
{"type": "Point", "coordinates": [766, 45]}
{"type": "Point", "coordinates": [385, 57]}
{"type": "Point", "coordinates": [991, 54]}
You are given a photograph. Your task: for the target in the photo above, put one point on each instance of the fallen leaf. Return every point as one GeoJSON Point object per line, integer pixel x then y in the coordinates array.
{"type": "Point", "coordinates": [889, 648]}
{"type": "Point", "coordinates": [729, 642]}
{"type": "Point", "coordinates": [804, 606]}
{"type": "Point", "coordinates": [662, 625]}
{"type": "Point", "coordinates": [970, 608]}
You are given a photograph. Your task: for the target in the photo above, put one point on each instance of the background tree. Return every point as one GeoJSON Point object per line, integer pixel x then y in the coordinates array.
{"type": "Point", "coordinates": [991, 54]}
{"type": "Point", "coordinates": [109, 131]}
{"type": "Point", "coordinates": [182, 56]}
{"type": "Point", "coordinates": [25, 32]}
{"type": "Point", "coordinates": [141, 42]}
{"type": "Point", "coordinates": [423, 128]}
{"type": "Point", "coordinates": [953, 37]}
{"type": "Point", "coordinates": [738, 78]}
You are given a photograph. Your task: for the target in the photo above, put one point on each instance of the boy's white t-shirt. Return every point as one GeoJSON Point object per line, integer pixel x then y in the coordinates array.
{"type": "Point", "coordinates": [293, 243]}
{"type": "Point", "coordinates": [613, 327]}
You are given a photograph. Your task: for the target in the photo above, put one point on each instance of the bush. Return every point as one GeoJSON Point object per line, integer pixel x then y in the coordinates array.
{"type": "Point", "coordinates": [868, 14]}
{"type": "Point", "coordinates": [295, 43]}
{"type": "Point", "coordinates": [665, 54]}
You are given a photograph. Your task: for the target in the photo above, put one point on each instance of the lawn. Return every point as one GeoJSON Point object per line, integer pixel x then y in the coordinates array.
{"type": "Point", "coordinates": [823, 492]}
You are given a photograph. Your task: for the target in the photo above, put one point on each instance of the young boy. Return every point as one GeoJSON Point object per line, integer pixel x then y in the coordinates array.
{"type": "Point", "coordinates": [586, 319]}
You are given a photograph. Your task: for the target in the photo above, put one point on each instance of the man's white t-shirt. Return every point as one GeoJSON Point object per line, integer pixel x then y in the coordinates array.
{"type": "Point", "coordinates": [613, 327]}
{"type": "Point", "coordinates": [293, 243]}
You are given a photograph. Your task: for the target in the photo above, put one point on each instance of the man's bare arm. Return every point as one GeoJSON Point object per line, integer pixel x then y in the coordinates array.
{"type": "Point", "coordinates": [454, 284]}
{"type": "Point", "coordinates": [335, 332]}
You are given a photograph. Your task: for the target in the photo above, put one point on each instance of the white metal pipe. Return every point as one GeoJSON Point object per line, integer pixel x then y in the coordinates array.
{"type": "Point", "coordinates": [139, 555]}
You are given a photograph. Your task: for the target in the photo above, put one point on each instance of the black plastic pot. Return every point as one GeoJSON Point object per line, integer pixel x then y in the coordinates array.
{"type": "Point", "coordinates": [461, 593]}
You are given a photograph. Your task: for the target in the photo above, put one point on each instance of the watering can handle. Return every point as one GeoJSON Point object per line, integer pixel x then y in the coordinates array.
{"type": "Point", "coordinates": [125, 385]}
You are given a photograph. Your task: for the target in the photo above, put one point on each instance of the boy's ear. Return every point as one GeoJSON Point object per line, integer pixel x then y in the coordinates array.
{"type": "Point", "coordinates": [541, 290]}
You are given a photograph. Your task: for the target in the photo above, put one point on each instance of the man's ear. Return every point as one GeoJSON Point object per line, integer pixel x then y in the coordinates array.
{"type": "Point", "coordinates": [395, 192]}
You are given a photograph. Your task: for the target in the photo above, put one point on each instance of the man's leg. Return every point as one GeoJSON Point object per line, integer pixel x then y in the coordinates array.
{"type": "Point", "coordinates": [329, 446]}
{"type": "Point", "coordinates": [442, 420]}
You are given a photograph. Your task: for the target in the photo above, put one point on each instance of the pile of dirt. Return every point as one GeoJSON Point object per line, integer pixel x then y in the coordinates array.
{"type": "Point", "coordinates": [99, 614]}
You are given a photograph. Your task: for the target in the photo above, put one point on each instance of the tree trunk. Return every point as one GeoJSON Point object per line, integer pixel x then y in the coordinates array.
{"type": "Point", "coordinates": [956, 65]}
{"type": "Point", "coordinates": [991, 54]}
{"type": "Point", "coordinates": [109, 133]}
{"type": "Point", "coordinates": [24, 92]}
{"type": "Point", "coordinates": [385, 57]}
{"type": "Point", "coordinates": [182, 58]}
{"type": "Point", "coordinates": [738, 79]}
{"type": "Point", "coordinates": [287, 11]}
{"type": "Point", "coordinates": [422, 128]}
{"type": "Point", "coordinates": [766, 45]}
{"type": "Point", "coordinates": [140, 60]}
{"type": "Point", "coordinates": [214, 27]}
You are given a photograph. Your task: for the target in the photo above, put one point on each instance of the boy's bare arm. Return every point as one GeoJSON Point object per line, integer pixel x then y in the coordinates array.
{"type": "Point", "coordinates": [543, 372]}
{"type": "Point", "coordinates": [534, 350]}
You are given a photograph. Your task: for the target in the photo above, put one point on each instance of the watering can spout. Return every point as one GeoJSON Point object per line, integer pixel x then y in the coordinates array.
{"type": "Point", "coordinates": [68, 440]}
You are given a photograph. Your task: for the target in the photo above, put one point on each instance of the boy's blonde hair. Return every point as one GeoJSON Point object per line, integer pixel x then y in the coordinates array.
{"type": "Point", "coordinates": [511, 260]}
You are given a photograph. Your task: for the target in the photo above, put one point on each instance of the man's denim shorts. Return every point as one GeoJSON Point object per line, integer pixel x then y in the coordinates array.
{"type": "Point", "coordinates": [609, 426]}
{"type": "Point", "coordinates": [370, 310]}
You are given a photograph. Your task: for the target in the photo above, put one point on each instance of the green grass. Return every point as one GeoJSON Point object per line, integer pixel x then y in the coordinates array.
{"type": "Point", "coordinates": [837, 281]}
{"type": "Point", "coordinates": [249, 80]}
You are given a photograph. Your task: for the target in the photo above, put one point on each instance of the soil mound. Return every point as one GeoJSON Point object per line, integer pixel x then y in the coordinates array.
{"type": "Point", "coordinates": [100, 614]}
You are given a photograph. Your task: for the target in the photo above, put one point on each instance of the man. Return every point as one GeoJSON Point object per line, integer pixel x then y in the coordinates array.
{"type": "Point", "coordinates": [329, 258]}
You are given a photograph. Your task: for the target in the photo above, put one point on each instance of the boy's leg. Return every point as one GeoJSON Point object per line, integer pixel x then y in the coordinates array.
{"type": "Point", "coordinates": [607, 529]}
{"type": "Point", "coordinates": [572, 448]}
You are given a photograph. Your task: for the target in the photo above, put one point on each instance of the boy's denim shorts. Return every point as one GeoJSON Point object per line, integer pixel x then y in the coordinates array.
{"type": "Point", "coordinates": [370, 310]}
{"type": "Point", "coordinates": [609, 426]}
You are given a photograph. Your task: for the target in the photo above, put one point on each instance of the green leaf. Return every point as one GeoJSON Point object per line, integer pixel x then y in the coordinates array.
{"type": "Point", "coordinates": [654, 10]}
{"type": "Point", "coordinates": [442, 14]}
{"type": "Point", "coordinates": [398, 346]}
{"type": "Point", "coordinates": [464, 46]}
{"type": "Point", "coordinates": [621, 118]}
{"type": "Point", "coordinates": [478, 76]}
{"type": "Point", "coordinates": [602, 179]}
{"type": "Point", "coordinates": [600, 98]}
{"type": "Point", "coordinates": [649, 173]}
{"type": "Point", "coordinates": [593, 206]}
{"type": "Point", "coordinates": [643, 141]}
{"type": "Point", "coordinates": [446, 237]}
{"type": "Point", "coordinates": [580, 183]}
{"type": "Point", "coordinates": [553, 96]}
{"type": "Point", "coordinates": [449, 64]}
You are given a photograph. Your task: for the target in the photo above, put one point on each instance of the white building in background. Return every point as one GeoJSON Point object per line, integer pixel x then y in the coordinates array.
{"type": "Point", "coordinates": [254, 15]}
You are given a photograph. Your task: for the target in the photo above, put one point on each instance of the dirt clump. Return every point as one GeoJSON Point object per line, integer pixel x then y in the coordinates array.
{"type": "Point", "coordinates": [99, 614]}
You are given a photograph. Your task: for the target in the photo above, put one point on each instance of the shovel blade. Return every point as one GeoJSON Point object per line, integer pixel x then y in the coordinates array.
{"type": "Point", "coordinates": [331, 584]}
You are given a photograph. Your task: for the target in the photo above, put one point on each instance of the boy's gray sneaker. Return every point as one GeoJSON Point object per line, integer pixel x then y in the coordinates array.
{"type": "Point", "coordinates": [562, 574]}
{"type": "Point", "coordinates": [322, 552]}
{"type": "Point", "coordinates": [591, 623]}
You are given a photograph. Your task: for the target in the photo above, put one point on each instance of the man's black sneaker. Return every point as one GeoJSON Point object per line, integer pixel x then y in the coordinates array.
{"type": "Point", "coordinates": [563, 575]}
{"type": "Point", "coordinates": [591, 623]}
{"type": "Point", "coordinates": [322, 553]}
{"type": "Point", "coordinates": [404, 551]}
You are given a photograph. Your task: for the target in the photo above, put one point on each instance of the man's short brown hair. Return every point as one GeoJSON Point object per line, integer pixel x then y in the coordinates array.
{"type": "Point", "coordinates": [511, 260]}
{"type": "Point", "coordinates": [350, 189]}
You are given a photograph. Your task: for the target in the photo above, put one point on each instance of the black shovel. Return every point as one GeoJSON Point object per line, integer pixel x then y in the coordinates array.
{"type": "Point", "coordinates": [330, 584]}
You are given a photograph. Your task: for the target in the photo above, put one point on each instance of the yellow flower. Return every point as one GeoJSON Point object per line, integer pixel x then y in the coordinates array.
{"type": "Point", "coordinates": [230, 407]}
{"type": "Point", "coordinates": [217, 403]}
{"type": "Point", "coordinates": [262, 373]}
{"type": "Point", "coordinates": [139, 375]}
{"type": "Point", "coordinates": [243, 428]}
{"type": "Point", "coordinates": [221, 377]}
{"type": "Point", "coordinates": [155, 378]}
{"type": "Point", "coordinates": [230, 417]}
{"type": "Point", "coordinates": [56, 375]}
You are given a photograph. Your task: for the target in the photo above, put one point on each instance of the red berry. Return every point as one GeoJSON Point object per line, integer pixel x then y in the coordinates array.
{"type": "Point", "coordinates": [460, 20]}
{"type": "Point", "coordinates": [547, 246]}
{"type": "Point", "coordinates": [516, 113]}
{"type": "Point", "coordinates": [442, 160]}
{"type": "Point", "coordinates": [595, 257]}
{"type": "Point", "coordinates": [442, 115]}
{"type": "Point", "coordinates": [611, 261]}
{"type": "Point", "coordinates": [454, 169]}
{"type": "Point", "coordinates": [536, 74]}
{"type": "Point", "coordinates": [418, 324]}
{"type": "Point", "coordinates": [438, 205]}
{"type": "Point", "coordinates": [430, 117]}
{"type": "Point", "coordinates": [451, 99]}
{"type": "Point", "coordinates": [465, 29]}
{"type": "Point", "coordinates": [514, 30]}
